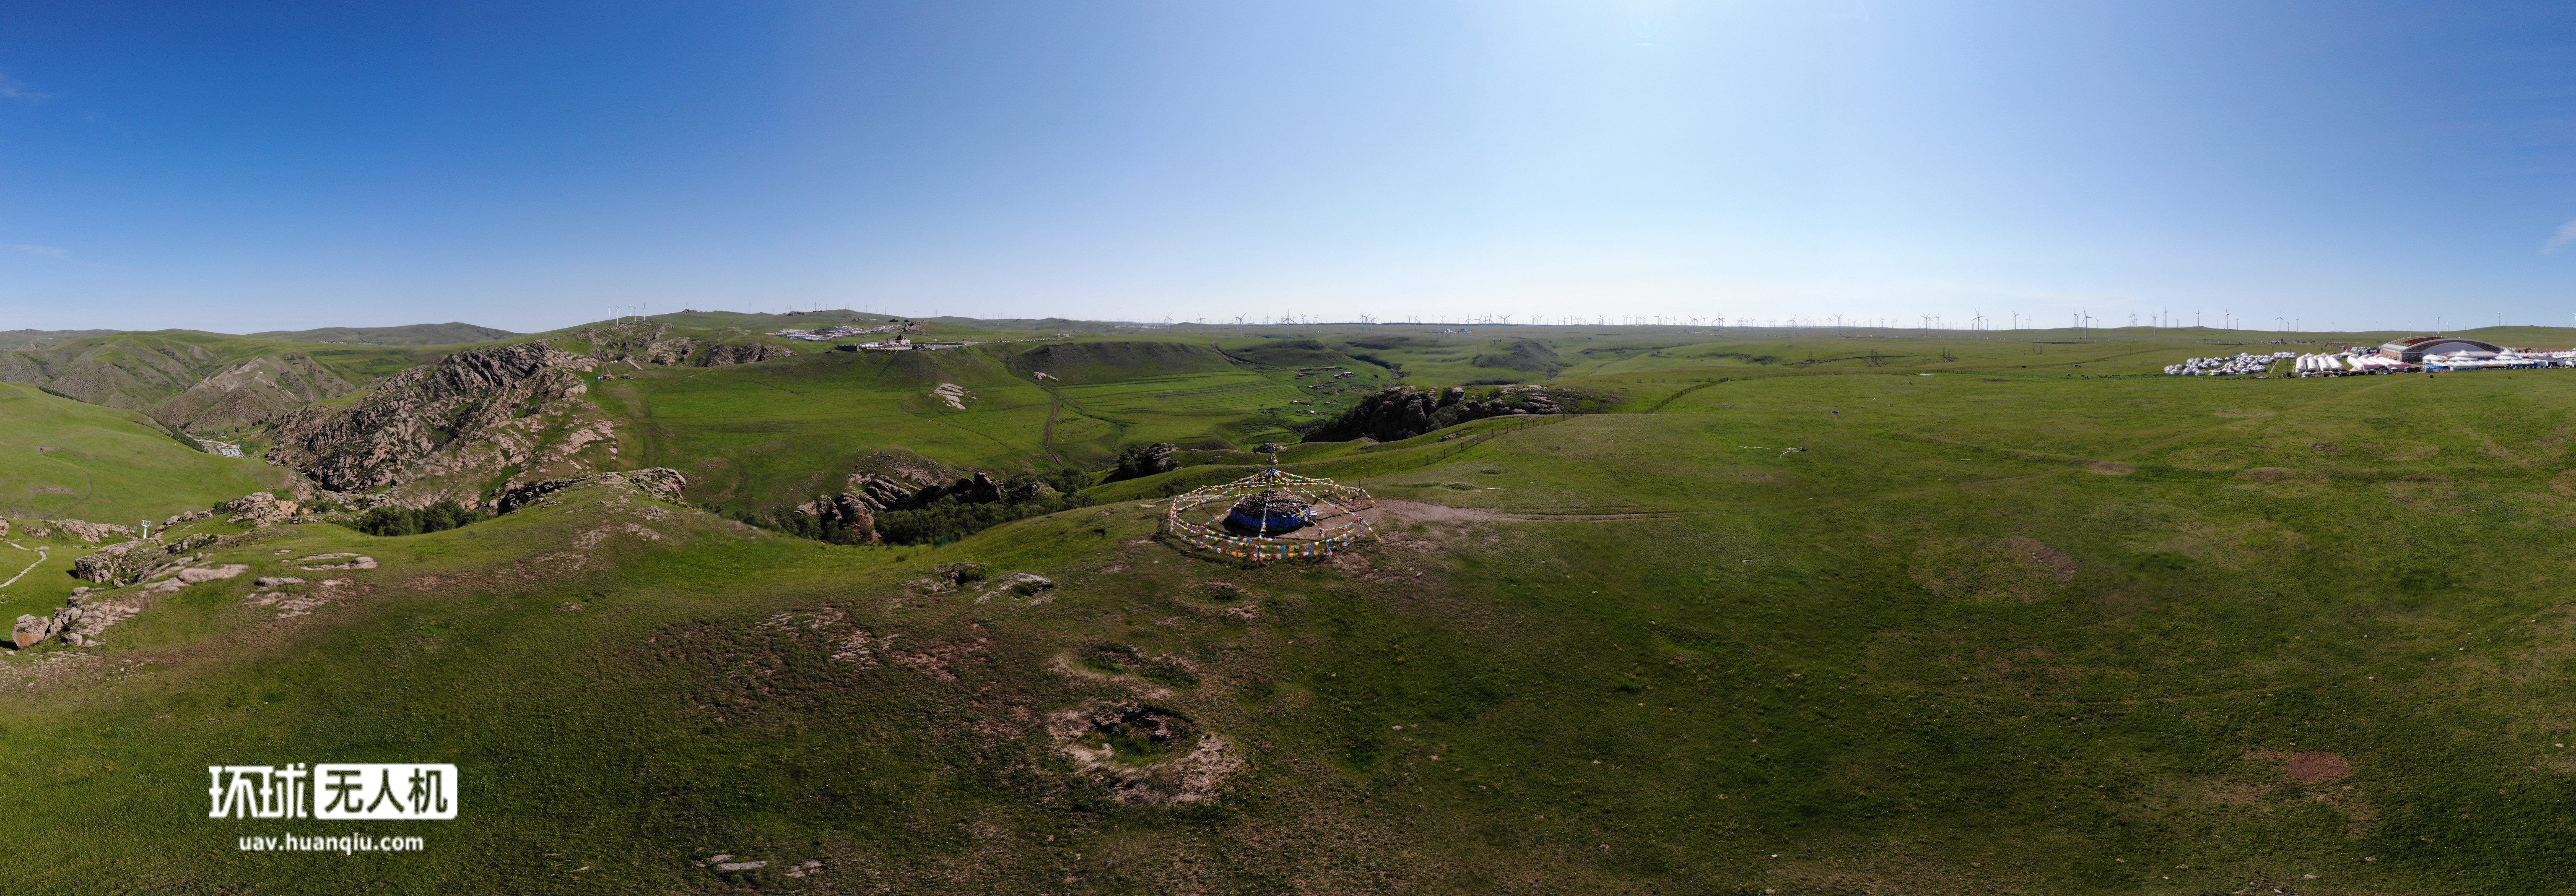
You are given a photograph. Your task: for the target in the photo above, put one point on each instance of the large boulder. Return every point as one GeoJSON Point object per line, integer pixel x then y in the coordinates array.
{"type": "Point", "coordinates": [118, 564]}
{"type": "Point", "coordinates": [31, 631]}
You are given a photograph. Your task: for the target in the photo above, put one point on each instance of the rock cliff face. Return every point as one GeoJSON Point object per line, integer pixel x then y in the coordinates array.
{"type": "Point", "coordinates": [1402, 412]}
{"type": "Point", "coordinates": [513, 413]}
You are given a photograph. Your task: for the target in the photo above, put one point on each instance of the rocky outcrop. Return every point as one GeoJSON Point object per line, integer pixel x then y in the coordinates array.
{"type": "Point", "coordinates": [441, 432]}
{"type": "Point", "coordinates": [849, 511]}
{"type": "Point", "coordinates": [1402, 412]}
{"type": "Point", "coordinates": [638, 343]}
{"type": "Point", "coordinates": [119, 564]}
{"type": "Point", "coordinates": [747, 353]}
{"type": "Point", "coordinates": [658, 483]}
{"type": "Point", "coordinates": [259, 509]}
{"type": "Point", "coordinates": [1146, 460]}
{"type": "Point", "coordinates": [89, 532]}
{"type": "Point", "coordinates": [175, 519]}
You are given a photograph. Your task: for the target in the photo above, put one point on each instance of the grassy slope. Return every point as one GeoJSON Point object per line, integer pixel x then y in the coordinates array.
{"type": "Point", "coordinates": [138, 370]}
{"type": "Point", "coordinates": [756, 434]}
{"type": "Point", "coordinates": [2007, 631]}
{"type": "Point", "coordinates": [60, 458]}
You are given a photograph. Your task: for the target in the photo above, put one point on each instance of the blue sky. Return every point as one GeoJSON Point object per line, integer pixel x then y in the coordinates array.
{"type": "Point", "coordinates": [529, 165]}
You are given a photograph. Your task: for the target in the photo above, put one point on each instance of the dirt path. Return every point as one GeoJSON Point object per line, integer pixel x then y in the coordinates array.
{"type": "Point", "coordinates": [40, 561]}
{"type": "Point", "coordinates": [1047, 441]}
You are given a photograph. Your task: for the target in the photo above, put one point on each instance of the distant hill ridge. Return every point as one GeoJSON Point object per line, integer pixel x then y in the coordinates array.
{"type": "Point", "coordinates": [450, 333]}
{"type": "Point", "coordinates": [16, 339]}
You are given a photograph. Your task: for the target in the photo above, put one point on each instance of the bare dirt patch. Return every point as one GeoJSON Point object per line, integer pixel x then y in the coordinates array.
{"type": "Point", "coordinates": [2318, 765]}
{"type": "Point", "coordinates": [2400, 450]}
{"type": "Point", "coordinates": [2013, 568]}
{"type": "Point", "coordinates": [2564, 484]}
{"type": "Point", "coordinates": [1143, 753]}
{"type": "Point", "coordinates": [2111, 467]}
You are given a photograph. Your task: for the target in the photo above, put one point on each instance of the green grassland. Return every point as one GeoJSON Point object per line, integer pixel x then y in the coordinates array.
{"type": "Point", "coordinates": [62, 459]}
{"type": "Point", "coordinates": [2031, 623]}
{"type": "Point", "coordinates": [759, 435]}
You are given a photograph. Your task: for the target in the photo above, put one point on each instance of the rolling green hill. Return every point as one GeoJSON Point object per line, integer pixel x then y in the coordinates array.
{"type": "Point", "coordinates": [762, 435]}
{"type": "Point", "coordinates": [64, 459]}
{"type": "Point", "coordinates": [207, 382]}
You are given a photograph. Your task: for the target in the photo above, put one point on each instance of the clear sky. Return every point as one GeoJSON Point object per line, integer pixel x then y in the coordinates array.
{"type": "Point", "coordinates": [243, 167]}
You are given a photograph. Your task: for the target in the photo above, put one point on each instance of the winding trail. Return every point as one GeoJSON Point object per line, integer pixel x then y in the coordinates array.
{"type": "Point", "coordinates": [40, 561]}
{"type": "Point", "coordinates": [1047, 441]}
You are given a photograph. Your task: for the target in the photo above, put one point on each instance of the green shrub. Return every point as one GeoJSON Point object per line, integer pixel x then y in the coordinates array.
{"type": "Point", "coordinates": [438, 517]}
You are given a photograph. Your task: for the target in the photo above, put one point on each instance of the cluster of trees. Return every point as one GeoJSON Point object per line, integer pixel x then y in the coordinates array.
{"type": "Point", "coordinates": [438, 517]}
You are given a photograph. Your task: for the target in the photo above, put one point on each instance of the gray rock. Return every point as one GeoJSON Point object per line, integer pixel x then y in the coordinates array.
{"type": "Point", "coordinates": [91, 532]}
{"type": "Point", "coordinates": [741, 866]}
{"type": "Point", "coordinates": [118, 564]}
{"type": "Point", "coordinates": [658, 483]}
{"type": "Point", "coordinates": [31, 631]}
{"type": "Point", "coordinates": [259, 509]}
